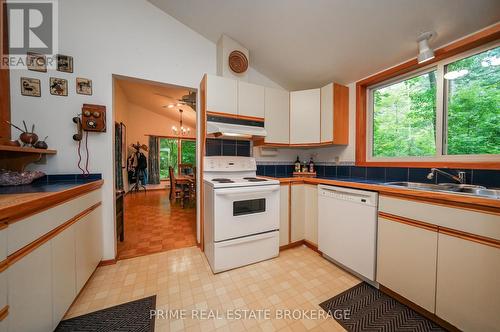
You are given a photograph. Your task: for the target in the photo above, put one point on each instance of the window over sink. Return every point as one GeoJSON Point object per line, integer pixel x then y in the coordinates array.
{"type": "Point", "coordinates": [449, 110]}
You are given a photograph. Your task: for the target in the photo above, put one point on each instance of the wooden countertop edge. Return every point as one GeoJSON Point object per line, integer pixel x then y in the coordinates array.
{"type": "Point", "coordinates": [15, 212]}
{"type": "Point", "coordinates": [440, 198]}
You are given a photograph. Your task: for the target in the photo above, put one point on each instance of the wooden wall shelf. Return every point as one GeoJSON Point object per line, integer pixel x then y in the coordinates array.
{"type": "Point", "coordinates": [16, 158]}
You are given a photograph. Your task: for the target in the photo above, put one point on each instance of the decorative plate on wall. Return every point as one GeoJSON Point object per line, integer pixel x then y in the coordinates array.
{"type": "Point", "coordinates": [238, 62]}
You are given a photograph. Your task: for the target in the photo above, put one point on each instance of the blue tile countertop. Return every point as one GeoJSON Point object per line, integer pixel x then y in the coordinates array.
{"type": "Point", "coordinates": [51, 183]}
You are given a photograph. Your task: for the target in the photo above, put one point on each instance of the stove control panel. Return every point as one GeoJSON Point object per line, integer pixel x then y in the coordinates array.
{"type": "Point", "coordinates": [226, 163]}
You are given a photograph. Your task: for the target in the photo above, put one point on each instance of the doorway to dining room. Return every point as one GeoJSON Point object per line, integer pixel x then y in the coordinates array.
{"type": "Point", "coordinates": [155, 166]}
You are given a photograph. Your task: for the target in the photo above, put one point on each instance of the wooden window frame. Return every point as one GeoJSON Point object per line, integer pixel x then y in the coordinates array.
{"type": "Point", "coordinates": [179, 147]}
{"type": "Point", "coordinates": [475, 40]}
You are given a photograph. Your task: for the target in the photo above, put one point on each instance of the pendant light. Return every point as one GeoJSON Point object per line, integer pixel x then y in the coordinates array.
{"type": "Point", "coordinates": [181, 131]}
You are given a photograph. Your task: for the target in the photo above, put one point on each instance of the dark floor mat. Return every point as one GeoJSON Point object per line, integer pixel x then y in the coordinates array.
{"type": "Point", "coordinates": [131, 317]}
{"type": "Point", "coordinates": [371, 310]}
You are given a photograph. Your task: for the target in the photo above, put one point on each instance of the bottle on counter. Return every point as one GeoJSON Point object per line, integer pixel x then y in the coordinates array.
{"type": "Point", "coordinates": [311, 165]}
{"type": "Point", "coordinates": [305, 168]}
{"type": "Point", "coordinates": [297, 165]}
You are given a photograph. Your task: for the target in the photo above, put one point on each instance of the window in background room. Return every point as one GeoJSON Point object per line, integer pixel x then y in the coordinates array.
{"type": "Point", "coordinates": [404, 117]}
{"type": "Point", "coordinates": [188, 148]}
{"type": "Point", "coordinates": [168, 156]}
{"type": "Point", "coordinates": [473, 104]}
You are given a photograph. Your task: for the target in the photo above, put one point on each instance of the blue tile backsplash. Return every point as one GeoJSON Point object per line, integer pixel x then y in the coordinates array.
{"type": "Point", "coordinates": [487, 178]}
{"type": "Point", "coordinates": [227, 147]}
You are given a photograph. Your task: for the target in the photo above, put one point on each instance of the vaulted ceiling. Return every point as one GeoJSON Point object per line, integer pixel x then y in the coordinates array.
{"type": "Point", "coordinates": [156, 96]}
{"type": "Point", "coordinates": [306, 43]}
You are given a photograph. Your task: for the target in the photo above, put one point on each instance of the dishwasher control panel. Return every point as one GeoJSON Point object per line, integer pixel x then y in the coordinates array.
{"type": "Point", "coordinates": [346, 194]}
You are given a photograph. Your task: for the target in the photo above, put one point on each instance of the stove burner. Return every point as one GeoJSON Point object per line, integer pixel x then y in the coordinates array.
{"type": "Point", "coordinates": [252, 179]}
{"type": "Point", "coordinates": [223, 180]}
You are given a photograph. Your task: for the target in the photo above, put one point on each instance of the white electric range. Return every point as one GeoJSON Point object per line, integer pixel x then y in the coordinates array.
{"type": "Point", "coordinates": [241, 213]}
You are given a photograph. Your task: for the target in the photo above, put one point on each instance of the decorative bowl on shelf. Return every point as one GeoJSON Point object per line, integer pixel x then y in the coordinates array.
{"type": "Point", "coordinates": [11, 178]}
{"type": "Point", "coordinates": [28, 139]}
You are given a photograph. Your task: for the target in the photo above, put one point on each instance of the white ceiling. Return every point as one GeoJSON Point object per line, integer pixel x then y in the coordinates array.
{"type": "Point", "coordinates": [153, 96]}
{"type": "Point", "coordinates": [306, 43]}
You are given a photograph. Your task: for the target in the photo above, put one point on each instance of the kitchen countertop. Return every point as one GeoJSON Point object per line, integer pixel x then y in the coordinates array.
{"type": "Point", "coordinates": [17, 202]}
{"type": "Point", "coordinates": [444, 198]}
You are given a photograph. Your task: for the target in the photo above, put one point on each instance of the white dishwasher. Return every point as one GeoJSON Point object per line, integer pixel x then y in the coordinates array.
{"type": "Point", "coordinates": [347, 228]}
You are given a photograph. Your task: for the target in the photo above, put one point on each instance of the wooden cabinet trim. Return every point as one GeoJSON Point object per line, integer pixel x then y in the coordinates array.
{"type": "Point", "coordinates": [470, 237]}
{"type": "Point", "coordinates": [443, 230]}
{"type": "Point", "coordinates": [17, 212]}
{"type": "Point", "coordinates": [408, 221]}
{"type": "Point", "coordinates": [289, 212]}
{"type": "Point", "coordinates": [16, 256]}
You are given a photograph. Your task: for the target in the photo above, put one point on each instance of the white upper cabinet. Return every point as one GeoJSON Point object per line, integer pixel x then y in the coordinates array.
{"type": "Point", "coordinates": [222, 95]}
{"type": "Point", "coordinates": [277, 115]}
{"type": "Point", "coordinates": [250, 99]}
{"type": "Point", "coordinates": [327, 113]}
{"type": "Point", "coordinates": [305, 116]}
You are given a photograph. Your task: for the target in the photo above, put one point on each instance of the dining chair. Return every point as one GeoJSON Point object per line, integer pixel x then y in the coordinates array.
{"type": "Point", "coordinates": [175, 189]}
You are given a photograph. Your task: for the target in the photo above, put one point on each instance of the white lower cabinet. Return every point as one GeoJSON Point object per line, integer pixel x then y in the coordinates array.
{"type": "Point", "coordinates": [297, 212]}
{"type": "Point", "coordinates": [406, 261]}
{"type": "Point", "coordinates": [88, 247]}
{"type": "Point", "coordinates": [30, 292]}
{"type": "Point", "coordinates": [468, 291]}
{"type": "Point", "coordinates": [304, 212]}
{"type": "Point", "coordinates": [311, 213]}
{"type": "Point", "coordinates": [284, 215]}
{"type": "Point", "coordinates": [42, 284]}
{"type": "Point", "coordinates": [63, 272]}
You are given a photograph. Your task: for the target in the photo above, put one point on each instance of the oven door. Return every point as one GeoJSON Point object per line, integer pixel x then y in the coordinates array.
{"type": "Point", "coordinates": [245, 211]}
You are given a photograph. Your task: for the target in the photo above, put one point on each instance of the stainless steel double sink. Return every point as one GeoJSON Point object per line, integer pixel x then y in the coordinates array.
{"type": "Point", "coordinates": [462, 189]}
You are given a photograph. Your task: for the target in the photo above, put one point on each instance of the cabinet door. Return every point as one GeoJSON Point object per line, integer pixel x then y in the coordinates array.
{"type": "Point", "coordinates": [277, 119]}
{"type": "Point", "coordinates": [222, 95]}
{"type": "Point", "coordinates": [30, 291]}
{"type": "Point", "coordinates": [406, 261]}
{"type": "Point", "coordinates": [305, 116]}
{"type": "Point", "coordinates": [468, 292]}
{"type": "Point", "coordinates": [88, 246]}
{"type": "Point", "coordinates": [63, 272]}
{"type": "Point", "coordinates": [250, 100]}
{"type": "Point", "coordinates": [327, 113]}
{"type": "Point", "coordinates": [311, 213]}
{"type": "Point", "coordinates": [284, 215]}
{"type": "Point", "coordinates": [297, 212]}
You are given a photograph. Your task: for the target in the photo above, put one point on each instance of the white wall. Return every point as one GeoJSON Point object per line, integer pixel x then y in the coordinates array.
{"type": "Point", "coordinates": [125, 37]}
{"type": "Point", "coordinates": [145, 122]}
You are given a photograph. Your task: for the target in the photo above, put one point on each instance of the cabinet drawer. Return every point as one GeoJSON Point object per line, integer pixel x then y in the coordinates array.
{"type": "Point", "coordinates": [474, 222]}
{"type": "Point", "coordinates": [29, 229]}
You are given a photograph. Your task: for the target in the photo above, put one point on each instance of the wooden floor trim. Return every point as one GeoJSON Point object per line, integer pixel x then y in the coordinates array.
{"type": "Point", "coordinates": [14, 257]}
{"type": "Point", "coordinates": [292, 245]}
{"type": "Point", "coordinates": [107, 262]}
{"type": "Point", "coordinates": [312, 246]}
{"type": "Point", "coordinates": [429, 315]}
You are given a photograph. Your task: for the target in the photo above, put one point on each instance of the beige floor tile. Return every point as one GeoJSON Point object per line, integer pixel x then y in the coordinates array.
{"type": "Point", "coordinates": [182, 279]}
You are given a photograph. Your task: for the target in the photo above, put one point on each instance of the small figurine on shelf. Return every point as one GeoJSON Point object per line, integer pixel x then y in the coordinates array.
{"type": "Point", "coordinates": [28, 138]}
{"type": "Point", "coordinates": [41, 144]}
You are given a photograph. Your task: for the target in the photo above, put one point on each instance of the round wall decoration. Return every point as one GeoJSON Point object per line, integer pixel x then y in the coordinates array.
{"type": "Point", "coordinates": [238, 62]}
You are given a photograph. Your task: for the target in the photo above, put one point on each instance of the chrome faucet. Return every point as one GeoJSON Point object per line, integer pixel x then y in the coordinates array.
{"type": "Point", "coordinates": [460, 178]}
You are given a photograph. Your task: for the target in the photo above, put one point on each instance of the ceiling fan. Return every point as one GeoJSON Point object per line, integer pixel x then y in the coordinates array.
{"type": "Point", "coordinates": [189, 100]}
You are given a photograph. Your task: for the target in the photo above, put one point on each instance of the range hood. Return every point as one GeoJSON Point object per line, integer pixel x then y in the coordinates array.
{"type": "Point", "coordinates": [230, 127]}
